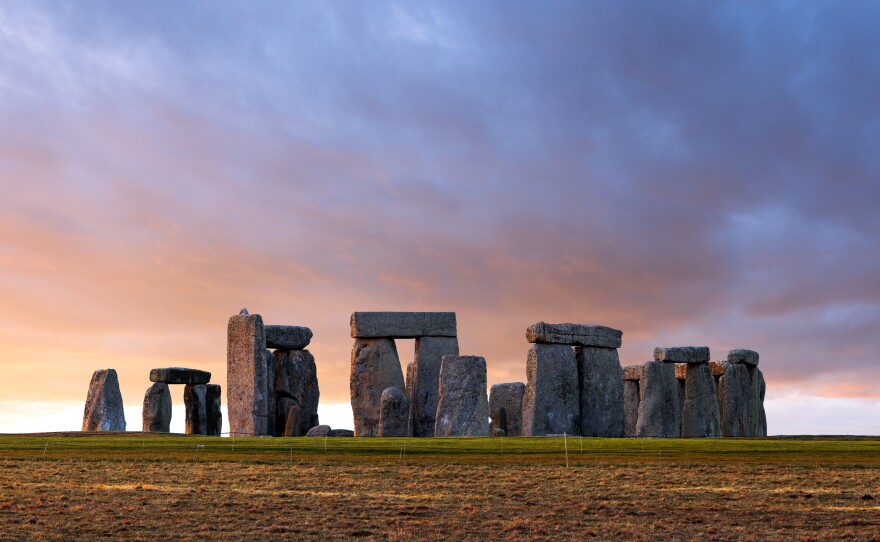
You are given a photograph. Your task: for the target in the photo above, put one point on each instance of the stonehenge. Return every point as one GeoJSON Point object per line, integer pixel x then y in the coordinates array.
{"type": "Point", "coordinates": [462, 406]}
{"type": "Point", "coordinates": [104, 410]}
{"type": "Point", "coordinates": [202, 401]}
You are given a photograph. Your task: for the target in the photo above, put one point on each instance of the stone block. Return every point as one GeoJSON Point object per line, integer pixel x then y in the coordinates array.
{"type": "Point", "coordinates": [600, 378]}
{"type": "Point", "coordinates": [551, 403]}
{"type": "Point", "coordinates": [292, 419]}
{"type": "Point", "coordinates": [757, 415]}
{"type": "Point", "coordinates": [574, 335]}
{"type": "Point", "coordinates": [213, 395]}
{"type": "Point", "coordinates": [659, 404]}
{"type": "Point", "coordinates": [700, 417]}
{"type": "Point", "coordinates": [630, 407]}
{"type": "Point", "coordinates": [462, 407]}
{"type": "Point", "coordinates": [429, 353]}
{"type": "Point", "coordinates": [195, 401]}
{"type": "Point", "coordinates": [402, 325]}
{"type": "Point", "coordinates": [375, 366]}
{"type": "Point", "coordinates": [246, 375]}
{"type": "Point", "coordinates": [157, 409]}
{"type": "Point", "coordinates": [717, 367]}
{"type": "Point", "coordinates": [681, 371]}
{"type": "Point", "coordinates": [179, 375]}
{"type": "Point", "coordinates": [747, 357]}
{"type": "Point", "coordinates": [104, 409]}
{"type": "Point", "coordinates": [272, 421]}
{"type": "Point", "coordinates": [682, 354]}
{"type": "Point", "coordinates": [733, 401]}
{"type": "Point", "coordinates": [394, 414]}
{"type": "Point", "coordinates": [505, 407]}
{"type": "Point", "coordinates": [632, 372]}
{"type": "Point", "coordinates": [319, 431]}
{"type": "Point", "coordinates": [340, 433]}
{"type": "Point", "coordinates": [296, 378]}
{"type": "Point", "coordinates": [287, 337]}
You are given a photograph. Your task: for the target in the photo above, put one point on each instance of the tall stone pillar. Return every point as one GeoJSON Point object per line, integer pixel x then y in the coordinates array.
{"type": "Point", "coordinates": [375, 367]}
{"type": "Point", "coordinates": [426, 381]}
{"type": "Point", "coordinates": [700, 418]}
{"type": "Point", "coordinates": [246, 375]}
{"type": "Point", "coordinates": [733, 400]}
{"type": "Point", "coordinates": [213, 395]}
{"type": "Point", "coordinates": [551, 403]}
{"type": "Point", "coordinates": [631, 376]}
{"type": "Point", "coordinates": [104, 410]}
{"type": "Point", "coordinates": [600, 377]}
{"type": "Point", "coordinates": [462, 408]}
{"type": "Point", "coordinates": [659, 408]}
{"type": "Point", "coordinates": [195, 401]}
{"type": "Point", "coordinates": [157, 409]}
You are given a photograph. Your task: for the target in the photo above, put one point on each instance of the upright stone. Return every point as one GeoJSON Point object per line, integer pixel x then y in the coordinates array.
{"type": "Point", "coordinates": [463, 408]}
{"type": "Point", "coordinates": [757, 415]}
{"type": "Point", "coordinates": [630, 407]}
{"type": "Point", "coordinates": [213, 395]}
{"type": "Point", "coordinates": [551, 403]}
{"type": "Point", "coordinates": [733, 400]}
{"type": "Point", "coordinates": [296, 382]}
{"type": "Point", "coordinates": [505, 407]}
{"type": "Point", "coordinates": [246, 375]}
{"type": "Point", "coordinates": [700, 418]}
{"type": "Point", "coordinates": [292, 426]}
{"type": "Point", "coordinates": [402, 325]}
{"type": "Point", "coordinates": [374, 367]}
{"type": "Point", "coordinates": [682, 354]}
{"type": "Point", "coordinates": [195, 400]}
{"type": "Point", "coordinates": [600, 378]}
{"type": "Point", "coordinates": [157, 409]}
{"type": "Point", "coordinates": [574, 335]}
{"type": "Point", "coordinates": [103, 411]}
{"type": "Point", "coordinates": [426, 381]}
{"type": "Point", "coordinates": [394, 414]}
{"type": "Point", "coordinates": [272, 420]}
{"type": "Point", "coordinates": [409, 379]}
{"type": "Point", "coordinates": [659, 407]}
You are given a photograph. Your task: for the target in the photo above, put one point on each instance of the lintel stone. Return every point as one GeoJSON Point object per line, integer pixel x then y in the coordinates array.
{"type": "Point", "coordinates": [574, 335]}
{"type": "Point", "coordinates": [747, 357]}
{"type": "Point", "coordinates": [403, 325]}
{"type": "Point", "coordinates": [179, 375]}
{"type": "Point", "coordinates": [287, 337]}
{"type": "Point", "coordinates": [682, 354]}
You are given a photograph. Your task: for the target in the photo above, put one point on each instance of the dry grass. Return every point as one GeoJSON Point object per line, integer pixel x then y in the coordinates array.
{"type": "Point", "coordinates": [168, 488]}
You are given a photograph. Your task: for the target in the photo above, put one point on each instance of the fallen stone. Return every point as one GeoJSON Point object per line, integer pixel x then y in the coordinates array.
{"type": "Point", "coordinates": [505, 407]}
{"type": "Point", "coordinates": [246, 375]}
{"type": "Point", "coordinates": [402, 325]}
{"type": "Point", "coordinates": [425, 383]}
{"type": "Point", "coordinates": [179, 375]}
{"type": "Point", "coordinates": [157, 409]}
{"type": "Point", "coordinates": [757, 415]}
{"type": "Point", "coordinates": [700, 417]}
{"type": "Point", "coordinates": [682, 354]}
{"type": "Point", "coordinates": [747, 357]}
{"type": "Point", "coordinates": [319, 431]}
{"type": "Point", "coordinates": [213, 396]}
{"type": "Point", "coordinates": [574, 335]}
{"type": "Point", "coordinates": [733, 401]}
{"type": "Point", "coordinates": [374, 367]}
{"type": "Point", "coordinates": [195, 400]}
{"type": "Point", "coordinates": [394, 414]}
{"type": "Point", "coordinates": [551, 403]}
{"type": "Point", "coordinates": [292, 420]}
{"type": "Point", "coordinates": [632, 372]}
{"type": "Point", "coordinates": [340, 433]}
{"type": "Point", "coordinates": [600, 378]}
{"type": "Point", "coordinates": [104, 410]}
{"type": "Point", "coordinates": [296, 378]}
{"type": "Point", "coordinates": [462, 408]}
{"type": "Point", "coordinates": [659, 406]}
{"type": "Point", "coordinates": [630, 407]}
{"type": "Point", "coordinates": [496, 432]}
{"type": "Point", "coordinates": [287, 337]}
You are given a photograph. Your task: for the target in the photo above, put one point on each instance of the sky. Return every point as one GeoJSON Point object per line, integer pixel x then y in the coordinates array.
{"type": "Point", "coordinates": [687, 172]}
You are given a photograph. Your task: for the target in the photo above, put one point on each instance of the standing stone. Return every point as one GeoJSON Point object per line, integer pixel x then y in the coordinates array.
{"type": "Point", "coordinates": [551, 403]}
{"type": "Point", "coordinates": [426, 381]}
{"type": "Point", "coordinates": [296, 381]}
{"type": "Point", "coordinates": [682, 354]}
{"type": "Point", "coordinates": [104, 410]}
{"type": "Point", "coordinates": [410, 367]}
{"type": "Point", "coordinates": [505, 407]}
{"type": "Point", "coordinates": [272, 420]}
{"type": "Point", "coordinates": [246, 375]}
{"type": "Point", "coordinates": [195, 400]}
{"type": "Point", "coordinates": [374, 367]}
{"type": "Point", "coordinates": [402, 325]}
{"type": "Point", "coordinates": [700, 418]}
{"type": "Point", "coordinates": [733, 399]}
{"type": "Point", "coordinates": [574, 335]}
{"type": "Point", "coordinates": [292, 425]}
{"type": "Point", "coordinates": [394, 414]}
{"type": "Point", "coordinates": [659, 407]}
{"type": "Point", "coordinates": [630, 407]}
{"type": "Point", "coordinates": [600, 378]}
{"type": "Point", "coordinates": [757, 415]}
{"type": "Point", "coordinates": [287, 337]}
{"type": "Point", "coordinates": [740, 355]}
{"type": "Point", "coordinates": [213, 395]}
{"type": "Point", "coordinates": [157, 409]}
{"type": "Point", "coordinates": [682, 389]}
{"type": "Point", "coordinates": [463, 408]}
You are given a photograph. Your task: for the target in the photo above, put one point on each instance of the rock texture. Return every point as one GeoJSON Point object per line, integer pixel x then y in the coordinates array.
{"type": "Point", "coordinates": [157, 409]}
{"type": "Point", "coordinates": [462, 408]}
{"type": "Point", "coordinates": [659, 406]}
{"type": "Point", "coordinates": [394, 414]}
{"type": "Point", "coordinates": [319, 431]}
{"type": "Point", "coordinates": [103, 411]}
{"type": "Point", "coordinates": [402, 325]}
{"type": "Point", "coordinates": [272, 420]}
{"type": "Point", "coordinates": [340, 433]}
{"type": "Point", "coordinates": [630, 407]}
{"type": "Point", "coordinates": [600, 378]}
{"type": "Point", "coordinates": [425, 383]}
{"type": "Point", "coordinates": [246, 375]}
{"type": "Point", "coordinates": [213, 395]}
{"type": "Point", "coordinates": [292, 426]}
{"type": "Point", "coordinates": [574, 335]}
{"type": "Point", "coordinates": [195, 400]}
{"type": "Point", "coordinates": [374, 367]}
{"type": "Point", "coordinates": [287, 337]}
{"type": "Point", "coordinates": [551, 403]}
{"type": "Point", "coordinates": [699, 417]}
{"type": "Point", "coordinates": [632, 372]}
{"type": "Point", "coordinates": [734, 390]}
{"type": "Point", "coordinates": [747, 357]}
{"type": "Point", "coordinates": [682, 354]}
{"type": "Point", "coordinates": [179, 375]}
{"type": "Point", "coordinates": [296, 382]}
{"type": "Point", "coordinates": [757, 415]}
{"type": "Point", "coordinates": [410, 368]}
{"type": "Point", "coordinates": [717, 367]}
{"type": "Point", "coordinates": [505, 407]}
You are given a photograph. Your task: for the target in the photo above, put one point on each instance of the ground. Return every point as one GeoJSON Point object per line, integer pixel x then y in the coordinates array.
{"type": "Point", "coordinates": [148, 487]}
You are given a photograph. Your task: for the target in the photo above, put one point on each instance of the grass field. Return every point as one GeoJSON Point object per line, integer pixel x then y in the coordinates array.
{"type": "Point", "coordinates": [150, 487]}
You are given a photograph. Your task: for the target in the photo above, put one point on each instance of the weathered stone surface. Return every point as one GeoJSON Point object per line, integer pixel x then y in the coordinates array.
{"type": "Point", "coordinates": [551, 403]}
{"type": "Point", "coordinates": [103, 411]}
{"type": "Point", "coordinates": [394, 414]}
{"type": "Point", "coordinates": [319, 431]}
{"type": "Point", "coordinates": [179, 375]}
{"type": "Point", "coordinates": [157, 409]}
{"type": "Point", "coordinates": [292, 420]}
{"type": "Point", "coordinates": [246, 375]}
{"type": "Point", "coordinates": [632, 372]}
{"type": "Point", "coordinates": [682, 354]}
{"type": "Point", "coordinates": [699, 417]}
{"type": "Point", "coordinates": [374, 367]}
{"type": "Point", "coordinates": [497, 432]}
{"type": "Point", "coordinates": [630, 407]}
{"type": "Point", "coordinates": [505, 407]}
{"type": "Point", "coordinates": [340, 433]}
{"type": "Point", "coordinates": [682, 388]}
{"type": "Point", "coordinates": [600, 378]}
{"type": "Point", "coordinates": [429, 353]}
{"type": "Point", "coordinates": [659, 406]}
{"type": "Point", "coordinates": [410, 368]}
{"type": "Point", "coordinates": [733, 400]}
{"type": "Point", "coordinates": [681, 371]}
{"type": "Point", "coordinates": [717, 367]}
{"type": "Point", "coordinates": [195, 400]}
{"type": "Point", "coordinates": [574, 335]}
{"type": "Point", "coordinates": [747, 357]}
{"type": "Point", "coordinates": [402, 325]}
{"type": "Point", "coordinates": [296, 378]}
{"type": "Point", "coordinates": [463, 407]}
{"type": "Point", "coordinates": [757, 415]}
{"type": "Point", "coordinates": [287, 337]}
{"type": "Point", "coordinates": [213, 395]}
{"type": "Point", "coordinates": [272, 421]}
